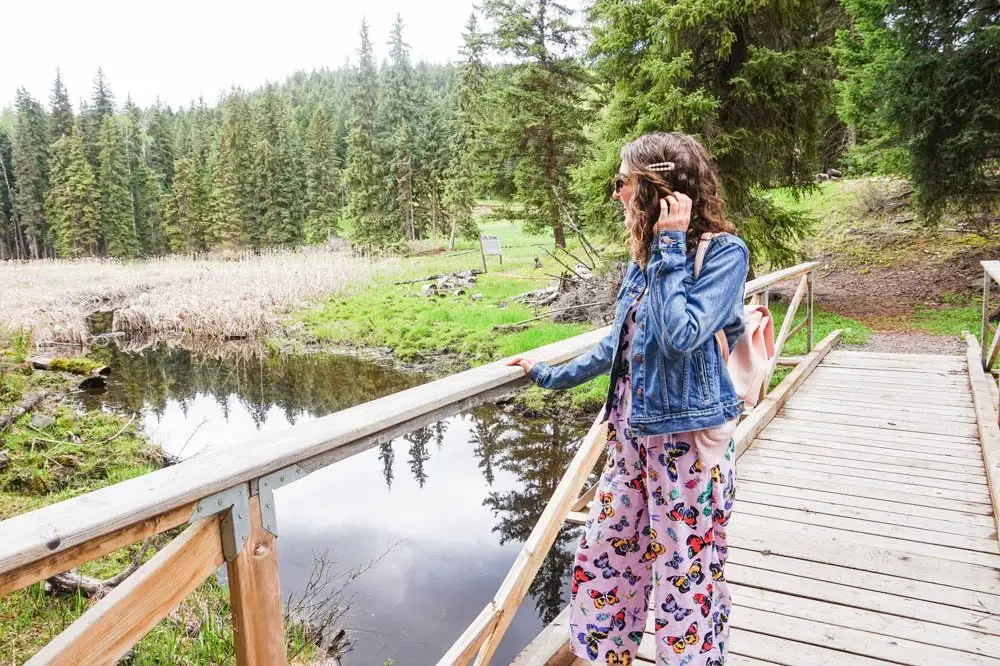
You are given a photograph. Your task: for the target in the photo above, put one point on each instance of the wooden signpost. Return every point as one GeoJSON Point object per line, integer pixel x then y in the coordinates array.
{"type": "Point", "coordinates": [489, 245]}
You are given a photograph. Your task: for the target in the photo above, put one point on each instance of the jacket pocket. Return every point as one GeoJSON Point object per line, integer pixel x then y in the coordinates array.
{"type": "Point", "coordinates": [701, 379]}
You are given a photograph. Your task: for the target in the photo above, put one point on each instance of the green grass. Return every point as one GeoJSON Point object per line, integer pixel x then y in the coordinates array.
{"type": "Point", "coordinates": [853, 332]}
{"type": "Point", "coordinates": [949, 321]}
{"type": "Point", "coordinates": [420, 328]}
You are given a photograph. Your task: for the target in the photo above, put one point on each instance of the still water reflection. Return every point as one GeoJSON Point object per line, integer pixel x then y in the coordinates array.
{"type": "Point", "coordinates": [451, 503]}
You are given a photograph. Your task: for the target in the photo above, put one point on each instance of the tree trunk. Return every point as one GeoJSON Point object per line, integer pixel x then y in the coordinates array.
{"type": "Point", "coordinates": [560, 235]}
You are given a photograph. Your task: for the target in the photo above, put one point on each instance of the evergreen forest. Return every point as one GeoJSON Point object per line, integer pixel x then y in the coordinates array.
{"type": "Point", "coordinates": [531, 112]}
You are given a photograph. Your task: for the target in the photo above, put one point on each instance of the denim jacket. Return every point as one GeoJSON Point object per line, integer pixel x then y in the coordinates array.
{"type": "Point", "coordinates": [679, 381]}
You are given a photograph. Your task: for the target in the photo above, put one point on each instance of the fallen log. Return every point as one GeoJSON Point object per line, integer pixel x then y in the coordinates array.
{"type": "Point", "coordinates": [75, 366]}
{"type": "Point", "coordinates": [74, 582]}
{"type": "Point", "coordinates": [23, 408]}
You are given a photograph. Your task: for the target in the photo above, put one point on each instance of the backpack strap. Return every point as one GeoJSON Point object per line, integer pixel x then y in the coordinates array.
{"type": "Point", "coordinates": [699, 262]}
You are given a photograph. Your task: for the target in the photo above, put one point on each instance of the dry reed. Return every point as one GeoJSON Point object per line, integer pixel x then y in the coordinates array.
{"type": "Point", "coordinates": [213, 298]}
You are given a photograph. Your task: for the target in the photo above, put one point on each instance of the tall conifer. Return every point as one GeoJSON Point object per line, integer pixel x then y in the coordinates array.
{"type": "Point", "coordinates": [322, 181]}
{"type": "Point", "coordinates": [398, 105]}
{"type": "Point", "coordinates": [277, 173]}
{"type": "Point", "coordinates": [539, 114]}
{"type": "Point", "coordinates": [364, 174]}
{"type": "Point", "coordinates": [752, 80]}
{"type": "Point", "coordinates": [118, 227]}
{"type": "Point", "coordinates": [74, 201]}
{"type": "Point", "coordinates": [30, 164]}
{"type": "Point", "coordinates": [62, 111]}
{"type": "Point", "coordinates": [185, 209]}
{"type": "Point", "coordinates": [466, 135]}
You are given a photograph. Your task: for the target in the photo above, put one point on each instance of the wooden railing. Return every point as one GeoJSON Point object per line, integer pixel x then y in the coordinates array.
{"type": "Point", "coordinates": [481, 639]}
{"type": "Point", "coordinates": [226, 499]}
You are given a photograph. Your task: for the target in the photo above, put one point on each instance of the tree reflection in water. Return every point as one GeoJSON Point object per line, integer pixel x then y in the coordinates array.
{"type": "Point", "coordinates": [535, 451]}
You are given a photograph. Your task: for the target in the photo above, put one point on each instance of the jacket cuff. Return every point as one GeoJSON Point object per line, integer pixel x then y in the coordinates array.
{"type": "Point", "coordinates": [537, 371]}
{"type": "Point", "coordinates": [672, 241]}
{"type": "Point", "coordinates": [670, 249]}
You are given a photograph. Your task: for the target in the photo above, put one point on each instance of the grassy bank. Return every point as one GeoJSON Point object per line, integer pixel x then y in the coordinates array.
{"type": "Point", "coordinates": [450, 333]}
{"type": "Point", "coordinates": [445, 334]}
{"type": "Point", "coordinates": [57, 452]}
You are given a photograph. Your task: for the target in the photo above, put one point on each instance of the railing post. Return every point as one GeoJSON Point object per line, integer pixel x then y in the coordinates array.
{"type": "Point", "coordinates": [984, 329]}
{"type": "Point", "coordinates": [809, 311]}
{"type": "Point", "coordinates": [765, 298]}
{"type": "Point", "coordinates": [255, 598]}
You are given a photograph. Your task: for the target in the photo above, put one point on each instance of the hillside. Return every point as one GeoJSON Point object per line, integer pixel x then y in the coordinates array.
{"type": "Point", "coordinates": [884, 268]}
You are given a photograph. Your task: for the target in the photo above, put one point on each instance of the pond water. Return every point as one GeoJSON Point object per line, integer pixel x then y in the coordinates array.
{"type": "Point", "coordinates": [447, 506]}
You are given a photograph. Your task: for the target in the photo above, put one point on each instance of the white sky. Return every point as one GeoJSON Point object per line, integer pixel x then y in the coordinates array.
{"type": "Point", "coordinates": [185, 48]}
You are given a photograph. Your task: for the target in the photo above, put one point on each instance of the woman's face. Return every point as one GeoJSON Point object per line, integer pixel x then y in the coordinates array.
{"type": "Point", "coordinates": [625, 191]}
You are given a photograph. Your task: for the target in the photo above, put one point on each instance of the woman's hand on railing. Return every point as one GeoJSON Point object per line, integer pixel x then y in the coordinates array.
{"type": "Point", "coordinates": [526, 363]}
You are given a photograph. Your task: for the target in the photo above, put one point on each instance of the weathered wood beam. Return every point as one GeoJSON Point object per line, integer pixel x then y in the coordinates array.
{"type": "Point", "coordinates": [106, 632]}
{"type": "Point", "coordinates": [255, 598]}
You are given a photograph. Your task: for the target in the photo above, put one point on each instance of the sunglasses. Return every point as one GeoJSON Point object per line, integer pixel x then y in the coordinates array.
{"type": "Point", "coordinates": [620, 181]}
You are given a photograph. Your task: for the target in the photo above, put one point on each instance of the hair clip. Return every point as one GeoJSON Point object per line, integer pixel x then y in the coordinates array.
{"type": "Point", "coordinates": [661, 166]}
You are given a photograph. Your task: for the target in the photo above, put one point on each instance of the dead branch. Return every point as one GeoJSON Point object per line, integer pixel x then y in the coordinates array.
{"type": "Point", "coordinates": [23, 408]}
{"type": "Point", "coordinates": [564, 265]}
{"type": "Point", "coordinates": [577, 258]}
{"type": "Point", "coordinates": [323, 602]}
{"type": "Point", "coordinates": [501, 327]}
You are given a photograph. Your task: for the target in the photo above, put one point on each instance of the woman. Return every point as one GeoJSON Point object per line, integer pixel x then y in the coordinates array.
{"type": "Point", "coordinates": [657, 530]}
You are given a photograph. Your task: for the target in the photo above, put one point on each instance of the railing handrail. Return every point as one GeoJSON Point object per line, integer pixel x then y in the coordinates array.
{"type": "Point", "coordinates": [41, 533]}
{"type": "Point", "coordinates": [32, 537]}
{"type": "Point", "coordinates": [765, 282]}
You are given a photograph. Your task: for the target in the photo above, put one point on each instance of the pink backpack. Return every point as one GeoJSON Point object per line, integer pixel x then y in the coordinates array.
{"type": "Point", "coordinates": [749, 360]}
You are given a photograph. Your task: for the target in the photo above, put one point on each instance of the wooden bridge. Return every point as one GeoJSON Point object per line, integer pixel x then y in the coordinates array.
{"type": "Point", "coordinates": [864, 530]}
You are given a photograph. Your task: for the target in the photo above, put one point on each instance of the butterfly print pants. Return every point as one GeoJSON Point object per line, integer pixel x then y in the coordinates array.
{"type": "Point", "coordinates": [655, 535]}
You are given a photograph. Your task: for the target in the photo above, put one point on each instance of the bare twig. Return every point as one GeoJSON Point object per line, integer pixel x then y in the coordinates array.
{"type": "Point", "coordinates": [323, 603]}
{"type": "Point", "coordinates": [115, 436]}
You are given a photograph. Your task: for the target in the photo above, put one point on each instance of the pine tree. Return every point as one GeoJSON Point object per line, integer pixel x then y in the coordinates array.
{"type": "Point", "coordinates": [752, 80]}
{"type": "Point", "coordinates": [226, 214]}
{"type": "Point", "coordinates": [322, 181]}
{"type": "Point", "coordinates": [102, 100]}
{"type": "Point", "coordinates": [118, 229]}
{"type": "Point", "coordinates": [160, 153]}
{"type": "Point", "coordinates": [466, 135]}
{"type": "Point", "coordinates": [11, 240]}
{"type": "Point", "coordinates": [231, 211]}
{"type": "Point", "coordinates": [539, 115]}
{"type": "Point", "coordinates": [102, 105]}
{"type": "Point", "coordinates": [234, 189]}
{"type": "Point", "coordinates": [398, 111]}
{"type": "Point", "coordinates": [30, 165]}
{"type": "Point", "coordinates": [62, 110]}
{"type": "Point", "coordinates": [73, 201]}
{"type": "Point", "coordinates": [920, 91]}
{"type": "Point", "coordinates": [277, 173]}
{"type": "Point", "coordinates": [143, 187]}
{"type": "Point", "coordinates": [364, 175]}
{"type": "Point", "coordinates": [432, 159]}
{"type": "Point", "coordinates": [185, 209]}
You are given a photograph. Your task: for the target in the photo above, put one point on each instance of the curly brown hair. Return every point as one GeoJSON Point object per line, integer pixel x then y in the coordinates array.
{"type": "Point", "coordinates": [692, 174]}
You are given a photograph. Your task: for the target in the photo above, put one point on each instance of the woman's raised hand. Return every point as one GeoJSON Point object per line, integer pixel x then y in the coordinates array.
{"type": "Point", "coordinates": [526, 363]}
{"type": "Point", "coordinates": [675, 213]}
